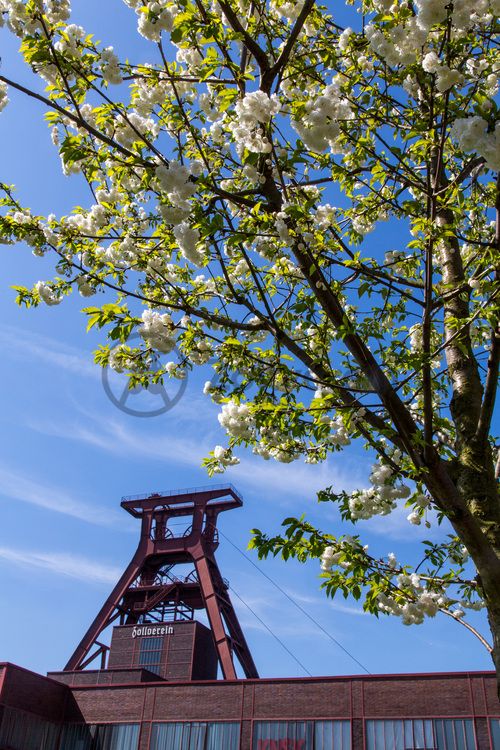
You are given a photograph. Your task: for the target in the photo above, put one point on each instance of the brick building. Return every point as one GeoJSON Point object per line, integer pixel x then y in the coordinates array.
{"type": "Point", "coordinates": [157, 686]}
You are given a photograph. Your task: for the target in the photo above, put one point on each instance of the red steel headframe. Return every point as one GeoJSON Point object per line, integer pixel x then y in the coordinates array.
{"type": "Point", "coordinates": [139, 591]}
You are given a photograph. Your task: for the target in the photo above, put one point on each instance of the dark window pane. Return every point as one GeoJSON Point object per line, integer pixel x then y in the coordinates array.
{"type": "Point", "coordinates": [76, 737]}
{"type": "Point", "coordinates": [302, 735]}
{"type": "Point", "coordinates": [150, 651]}
{"type": "Point", "coordinates": [195, 736]}
{"type": "Point", "coordinates": [420, 734]}
{"type": "Point", "coordinates": [495, 733]}
{"type": "Point", "coordinates": [20, 730]}
{"type": "Point", "coordinates": [151, 644]}
{"type": "Point", "coordinates": [116, 737]}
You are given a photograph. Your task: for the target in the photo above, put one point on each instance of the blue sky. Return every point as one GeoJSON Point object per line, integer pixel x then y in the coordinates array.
{"type": "Point", "coordinates": [69, 455]}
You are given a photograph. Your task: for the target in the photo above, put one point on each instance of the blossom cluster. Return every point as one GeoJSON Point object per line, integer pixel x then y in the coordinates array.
{"type": "Point", "coordinates": [237, 420]}
{"type": "Point", "coordinates": [188, 238]}
{"type": "Point", "coordinates": [381, 497]}
{"type": "Point", "coordinates": [110, 66]}
{"type": "Point", "coordinates": [286, 9]}
{"type": "Point", "coordinates": [4, 99]}
{"type": "Point", "coordinates": [407, 595]}
{"type": "Point", "coordinates": [274, 444]}
{"type": "Point", "coordinates": [85, 286]}
{"type": "Point", "coordinates": [464, 13]}
{"type": "Point", "coordinates": [133, 127]}
{"type": "Point", "coordinates": [417, 342]}
{"type": "Point", "coordinates": [225, 458]}
{"type": "Point", "coordinates": [158, 331]}
{"type": "Point", "coordinates": [155, 16]}
{"type": "Point", "coordinates": [121, 359]}
{"type": "Point", "coordinates": [401, 46]}
{"type": "Point", "coordinates": [425, 604]}
{"type": "Point", "coordinates": [333, 554]}
{"type": "Point", "coordinates": [201, 352]}
{"type": "Point", "coordinates": [253, 111]}
{"type": "Point", "coordinates": [319, 129]}
{"type": "Point", "coordinates": [47, 294]}
{"type": "Point", "coordinates": [445, 76]}
{"type": "Point", "coordinates": [68, 44]}
{"type": "Point", "coordinates": [174, 180]}
{"type": "Point", "coordinates": [420, 503]}
{"type": "Point", "coordinates": [421, 600]}
{"type": "Point", "coordinates": [21, 23]}
{"type": "Point", "coordinates": [472, 134]}
{"type": "Point", "coordinates": [338, 434]}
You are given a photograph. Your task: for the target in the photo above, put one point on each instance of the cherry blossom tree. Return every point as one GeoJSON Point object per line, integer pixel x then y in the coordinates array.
{"type": "Point", "coordinates": [312, 208]}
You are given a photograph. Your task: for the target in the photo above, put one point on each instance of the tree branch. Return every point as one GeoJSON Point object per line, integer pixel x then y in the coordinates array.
{"type": "Point", "coordinates": [282, 60]}
{"type": "Point", "coordinates": [76, 119]}
{"type": "Point", "coordinates": [253, 47]}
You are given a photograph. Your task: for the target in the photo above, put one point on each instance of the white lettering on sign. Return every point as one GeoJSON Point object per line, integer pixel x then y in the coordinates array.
{"type": "Point", "coordinates": [152, 630]}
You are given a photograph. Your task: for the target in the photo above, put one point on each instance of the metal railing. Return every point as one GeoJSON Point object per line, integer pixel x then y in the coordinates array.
{"type": "Point", "coordinates": [186, 491]}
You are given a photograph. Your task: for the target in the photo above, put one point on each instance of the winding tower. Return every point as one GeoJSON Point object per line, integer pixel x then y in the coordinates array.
{"type": "Point", "coordinates": [153, 609]}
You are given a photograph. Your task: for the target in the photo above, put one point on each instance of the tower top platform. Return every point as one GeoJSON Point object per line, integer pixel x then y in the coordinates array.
{"type": "Point", "coordinates": [218, 498]}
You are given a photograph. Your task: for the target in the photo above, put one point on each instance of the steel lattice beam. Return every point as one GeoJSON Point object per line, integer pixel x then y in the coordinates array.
{"type": "Point", "coordinates": [136, 592]}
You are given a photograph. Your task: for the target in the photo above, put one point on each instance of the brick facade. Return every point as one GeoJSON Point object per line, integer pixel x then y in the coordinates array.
{"type": "Point", "coordinates": [98, 697]}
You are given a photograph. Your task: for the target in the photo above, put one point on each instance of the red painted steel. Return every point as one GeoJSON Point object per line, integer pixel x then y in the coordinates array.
{"type": "Point", "coordinates": [147, 585]}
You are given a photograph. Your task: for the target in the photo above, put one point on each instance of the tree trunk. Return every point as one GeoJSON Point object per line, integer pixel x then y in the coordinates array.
{"type": "Point", "coordinates": [494, 621]}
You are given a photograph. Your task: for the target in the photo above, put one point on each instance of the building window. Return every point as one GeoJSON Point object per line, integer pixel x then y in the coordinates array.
{"type": "Point", "coordinates": [20, 730]}
{"type": "Point", "coordinates": [495, 733]}
{"type": "Point", "coordinates": [196, 735]}
{"type": "Point", "coordinates": [150, 651]}
{"type": "Point", "coordinates": [302, 735]}
{"type": "Point", "coordinates": [420, 734]}
{"type": "Point", "coordinates": [100, 737]}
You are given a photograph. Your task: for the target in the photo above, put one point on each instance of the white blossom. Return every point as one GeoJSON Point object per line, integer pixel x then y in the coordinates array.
{"type": "Point", "coordinates": [158, 331]}
{"type": "Point", "coordinates": [174, 370]}
{"type": "Point", "coordinates": [155, 16]}
{"type": "Point", "coordinates": [85, 287]}
{"type": "Point", "coordinates": [187, 238]}
{"type": "Point", "coordinates": [225, 457]}
{"type": "Point", "coordinates": [381, 498]}
{"type": "Point", "coordinates": [344, 38]}
{"type": "Point", "coordinates": [320, 129]}
{"type": "Point", "coordinates": [47, 293]}
{"type": "Point", "coordinates": [472, 135]}
{"type": "Point", "coordinates": [174, 180]}
{"type": "Point", "coordinates": [254, 110]}
{"type": "Point", "coordinates": [110, 66]}
{"type": "Point", "coordinates": [237, 420]}
{"type": "Point", "coordinates": [4, 99]}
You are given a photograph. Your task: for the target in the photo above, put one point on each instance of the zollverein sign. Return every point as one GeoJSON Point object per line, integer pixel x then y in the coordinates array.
{"type": "Point", "coordinates": [152, 630]}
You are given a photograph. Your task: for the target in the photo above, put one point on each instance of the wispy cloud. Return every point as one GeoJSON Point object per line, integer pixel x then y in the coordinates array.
{"type": "Point", "coordinates": [397, 527]}
{"type": "Point", "coordinates": [320, 601]}
{"type": "Point", "coordinates": [113, 436]}
{"type": "Point", "coordinates": [291, 480]}
{"type": "Point", "coordinates": [63, 564]}
{"type": "Point", "coordinates": [188, 449]}
{"type": "Point", "coordinates": [17, 486]}
{"type": "Point", "coordinates": [24, 344]}
{"type": "Point", "coordinates": [266, 614]}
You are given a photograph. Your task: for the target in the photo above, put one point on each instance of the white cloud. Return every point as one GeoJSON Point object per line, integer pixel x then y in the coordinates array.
{"type": "Point", "coordinates": [18, 343]}
{"type": "Point", "coordinates": [285, 480]}
{"type": "Point", "coordinates": [17, 486]}
{"type": "Point", "coordinates": [397, 527]}
{"type": "Point", "coordinates": [114, 437]}
{"type": "Point", "coordinates": [322, 601]}
{"type": "Point", "coordinates": [188, 449]}
{"type": "Point", "coordinates": [63, 564]}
